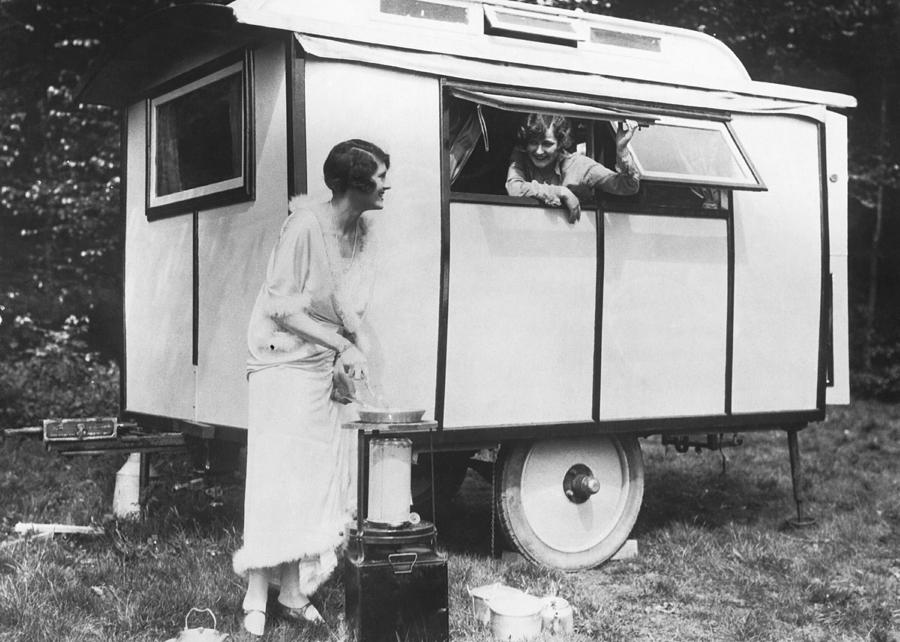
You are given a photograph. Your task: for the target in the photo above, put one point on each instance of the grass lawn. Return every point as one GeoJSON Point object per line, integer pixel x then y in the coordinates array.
{"type": "Point", "coordinates": [714, 562]}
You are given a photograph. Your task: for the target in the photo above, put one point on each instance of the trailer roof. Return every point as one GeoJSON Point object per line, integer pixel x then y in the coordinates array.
{"type": "Point", "coordinates": [576, 41]}
{"type": "Point", "coordinates": [462, 33]}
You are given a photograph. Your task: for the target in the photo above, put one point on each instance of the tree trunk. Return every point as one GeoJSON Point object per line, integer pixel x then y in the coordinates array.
{"type": "Point", "coordinates": [872, 300]}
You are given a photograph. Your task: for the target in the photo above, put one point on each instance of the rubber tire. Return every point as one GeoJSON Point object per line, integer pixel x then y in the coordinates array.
{"type": "Point", "coordinates": [514, 523]}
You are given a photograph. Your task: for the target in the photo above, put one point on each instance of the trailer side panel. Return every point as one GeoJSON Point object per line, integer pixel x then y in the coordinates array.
{"type": "Point", "coordinates": [778, 268]}
{"type": "Point", "coordinates": [158, 295]}
{"type": "Point", "coordinates": [665, 309]}
{"type": "Point", "coordinates": [399, 112]}
{"type": "Point", "coordinates": [521, 323]}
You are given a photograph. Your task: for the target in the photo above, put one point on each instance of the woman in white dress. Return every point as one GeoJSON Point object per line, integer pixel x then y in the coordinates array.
{"type": "Point", "coordinates": [304, 347]}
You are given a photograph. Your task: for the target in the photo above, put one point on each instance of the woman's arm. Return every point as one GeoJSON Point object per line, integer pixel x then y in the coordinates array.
{"type": "Point", "coordinates": [519, 184]}
{"type": "Point", "coordinates": [307, 328]}
{"type": "Point", "coordinates": [347, 353]}
{"type": "Point", "coordinates": [624, 182]}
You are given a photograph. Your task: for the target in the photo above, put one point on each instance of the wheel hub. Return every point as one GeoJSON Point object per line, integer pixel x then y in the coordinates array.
{"type": "Point", "coordinates": [579, 484]}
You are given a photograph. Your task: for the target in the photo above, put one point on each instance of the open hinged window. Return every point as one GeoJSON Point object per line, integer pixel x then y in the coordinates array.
{"type": "Point", "coordinates": [200, 153]}
{"type": "Point", "coordinates": [688, 151]}
{"type": "Point", "coordinates": [695, 152]}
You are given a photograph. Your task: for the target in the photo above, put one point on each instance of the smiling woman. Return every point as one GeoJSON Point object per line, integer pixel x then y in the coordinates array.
{"type": "Point", "coordinates": [305, 351]}
{"type": "Point", "coordinates": [542, 167]}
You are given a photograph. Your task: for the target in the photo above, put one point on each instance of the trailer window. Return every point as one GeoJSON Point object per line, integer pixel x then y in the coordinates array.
{"type": "Point", "coordinates": [697, 152]}
{"type": "Point", "coordinates": [697, 155]}
{"type": "Point", "coordinates": [198, 153]}
{"type": "Point", "coordinates": [482, 140]}
{"type": "Point", "coordinates": [483, 126]}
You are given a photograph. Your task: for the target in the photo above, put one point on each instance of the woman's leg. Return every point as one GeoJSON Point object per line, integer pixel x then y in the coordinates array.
{"type": "Point", "coordinates": [291, 596]}
{"type": "Point", "coordinates": [255, 600]}
{"type": "Point", "coordinates": [296, 602]}
{"type": "Point", "coordinates": [257, 590]}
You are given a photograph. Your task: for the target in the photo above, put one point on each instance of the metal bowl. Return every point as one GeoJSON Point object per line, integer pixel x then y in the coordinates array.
{"type": "Point", "coordinates": [390, 415]}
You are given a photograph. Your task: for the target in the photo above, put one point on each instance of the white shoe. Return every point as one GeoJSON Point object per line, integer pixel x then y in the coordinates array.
{"type": "Point", "coordinates": [305, 613]}
{"type": "Point", "coordinates": [255, 622]}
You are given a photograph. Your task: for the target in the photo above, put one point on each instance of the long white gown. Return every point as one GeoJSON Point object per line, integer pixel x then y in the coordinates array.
{"type": "Point", "coordinates": [300, 485]}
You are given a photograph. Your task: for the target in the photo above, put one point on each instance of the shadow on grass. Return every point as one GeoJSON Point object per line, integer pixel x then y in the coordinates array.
{"type": "Point", "coordinates": [709, 500]}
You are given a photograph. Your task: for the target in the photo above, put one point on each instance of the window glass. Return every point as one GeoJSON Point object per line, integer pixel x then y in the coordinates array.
{"type": "Point", "coordinates": [701, 153]}
{"type": "Point", "coordinates": [198, 137]}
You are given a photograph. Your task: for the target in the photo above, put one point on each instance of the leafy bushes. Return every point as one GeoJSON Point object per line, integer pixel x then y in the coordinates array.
{"type": "Point", "coordinates": [52, 373]}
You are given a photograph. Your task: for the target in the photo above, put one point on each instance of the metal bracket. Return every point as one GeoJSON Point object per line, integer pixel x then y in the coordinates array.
{"type": "Point", "coordinates": [713, 441]}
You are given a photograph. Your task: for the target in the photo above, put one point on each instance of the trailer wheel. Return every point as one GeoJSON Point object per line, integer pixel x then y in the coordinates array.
{"type": "Point", "coordinates": [570, 503]}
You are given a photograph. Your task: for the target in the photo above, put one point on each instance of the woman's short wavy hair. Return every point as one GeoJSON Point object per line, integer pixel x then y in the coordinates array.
{"type": "Point", "coordinates": [352, 163]}
{"type": "Point", "coordinates": [535, 127]}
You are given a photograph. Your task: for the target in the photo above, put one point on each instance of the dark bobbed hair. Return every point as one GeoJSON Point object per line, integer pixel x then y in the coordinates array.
{"type": "Point", "coordinates": [352, 163]}
{"type": "Point", "coordinates": [535, 126]}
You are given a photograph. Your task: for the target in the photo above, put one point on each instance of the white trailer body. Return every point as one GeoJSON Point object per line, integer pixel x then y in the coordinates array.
{"type": "Point", "coordinates": [722, 308]}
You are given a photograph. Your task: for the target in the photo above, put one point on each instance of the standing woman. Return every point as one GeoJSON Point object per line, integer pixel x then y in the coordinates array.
{"type": "Point", "coordinates": [304, 346]}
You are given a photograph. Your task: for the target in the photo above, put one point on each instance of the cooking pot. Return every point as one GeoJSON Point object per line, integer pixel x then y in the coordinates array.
{"type": "Point", "coordinates": [482, 595]}
{"type": "Point", "coordinates": [516, 618]}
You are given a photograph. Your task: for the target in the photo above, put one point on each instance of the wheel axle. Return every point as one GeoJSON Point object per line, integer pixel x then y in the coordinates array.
{"type": "Point", "coordinates": [579, 484]}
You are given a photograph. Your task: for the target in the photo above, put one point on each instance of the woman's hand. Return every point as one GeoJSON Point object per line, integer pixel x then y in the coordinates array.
{"type": "Point", "coordinates": [571, 203]}
{"type": "Point", "coordinates": [624, 134]}
{"type": "Point", "coordinates": [354, 362]}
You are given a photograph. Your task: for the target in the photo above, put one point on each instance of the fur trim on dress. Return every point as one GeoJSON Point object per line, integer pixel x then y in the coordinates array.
{"type": "Point", "coordinates": [275, 552]}
{"type": "Point", "coordinates": [276, 306]}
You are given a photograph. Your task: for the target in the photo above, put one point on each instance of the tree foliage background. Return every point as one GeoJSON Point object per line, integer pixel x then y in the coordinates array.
{"type": "Point", "coordinates": [60, 231]}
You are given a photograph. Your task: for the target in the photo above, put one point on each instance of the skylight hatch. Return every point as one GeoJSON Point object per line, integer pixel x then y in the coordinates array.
{"type": "Point", "coordinates": [513, 22]}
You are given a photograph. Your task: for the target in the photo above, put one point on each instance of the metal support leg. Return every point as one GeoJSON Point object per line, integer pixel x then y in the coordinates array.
{"type": "Point", "coordinates": [362, 474]}
{"type": "Point", "coordinates": [802, 520]}
{"type": "Point", "coordinates": [144, 479]}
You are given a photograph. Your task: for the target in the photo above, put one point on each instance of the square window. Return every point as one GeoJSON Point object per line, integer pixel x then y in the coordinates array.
{"type": "Point", "coordinates": [200, 145]}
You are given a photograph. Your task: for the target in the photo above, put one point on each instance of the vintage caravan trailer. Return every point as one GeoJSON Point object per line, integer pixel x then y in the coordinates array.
{"type": "Point", "coordinates": [713, 301]}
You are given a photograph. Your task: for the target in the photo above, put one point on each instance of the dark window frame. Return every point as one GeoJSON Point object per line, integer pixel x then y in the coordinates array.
{"type": "Point", "coordinates": [203, 197]}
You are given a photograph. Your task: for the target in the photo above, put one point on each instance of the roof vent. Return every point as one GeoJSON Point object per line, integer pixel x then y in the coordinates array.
{"type": "Point", "coordinates": [624, 39]}
{"type": "Point", "coordinates": [532, 26]}
{"type": "Point", "coordinates": [425, 10]}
